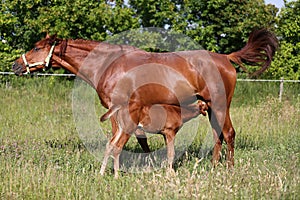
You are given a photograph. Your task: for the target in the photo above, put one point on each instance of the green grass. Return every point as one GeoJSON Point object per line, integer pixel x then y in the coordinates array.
{"type": "Point", "coordinates": [42, 156]}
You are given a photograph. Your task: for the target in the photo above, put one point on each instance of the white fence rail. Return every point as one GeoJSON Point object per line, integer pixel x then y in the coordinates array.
{"type": "Point", "coordinates": [266, 80]}
{"type": "Point", "coordinates": [39, 74]}
{"type": "Point", "coordinates": [240, 80]}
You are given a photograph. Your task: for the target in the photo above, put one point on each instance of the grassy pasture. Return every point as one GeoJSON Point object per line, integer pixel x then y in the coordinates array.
{"type": "Point", "coordinates": [42, 157]}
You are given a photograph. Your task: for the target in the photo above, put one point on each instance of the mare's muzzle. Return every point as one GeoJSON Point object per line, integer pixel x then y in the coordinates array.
{"type": "Point", "coordinates": [17, 68]}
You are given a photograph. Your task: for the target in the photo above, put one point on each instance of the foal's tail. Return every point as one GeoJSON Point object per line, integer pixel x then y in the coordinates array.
{"type": "Point", "coordinates": [259, 50]}
{"type": "Point", "coordinates": [110, 112]}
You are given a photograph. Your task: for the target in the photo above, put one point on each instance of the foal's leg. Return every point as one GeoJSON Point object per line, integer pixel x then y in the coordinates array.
{"type": "Point", "coordinates": [169, 138]}
{"type": "Point", "coordinates": [109, 146]}
{"type": "Point", "coordinates": [115, 146]}
{"type": "Point", "coordinates": [125, 126]}
{"type": "Point", "coordinates": [118, 146]}
{"type": "Point", "coordinates": [108, 151]}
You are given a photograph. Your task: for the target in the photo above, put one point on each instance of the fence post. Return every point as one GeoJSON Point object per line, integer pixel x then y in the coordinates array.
{"type": "Point", "coordinates": [281, 89]}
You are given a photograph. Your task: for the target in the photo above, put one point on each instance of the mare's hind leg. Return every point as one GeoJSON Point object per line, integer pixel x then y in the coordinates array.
{"type": "Point", "coordinates": [222, 130]}
{"type": "Point", "coordinates": [229, 137]}
{"type": "Point", "coordinates": [218, 137]}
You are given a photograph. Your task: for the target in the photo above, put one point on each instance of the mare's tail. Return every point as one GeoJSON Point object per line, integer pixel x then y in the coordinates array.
{"type": "Point", "coordinates": [259, 51]}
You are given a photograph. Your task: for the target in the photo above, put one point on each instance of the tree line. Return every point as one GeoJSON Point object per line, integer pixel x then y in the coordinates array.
{"type": "Point", "coordinates": [217, 25]}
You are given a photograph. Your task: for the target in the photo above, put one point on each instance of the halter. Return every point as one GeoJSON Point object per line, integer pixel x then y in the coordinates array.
{"type": "Point", "coordinates": [45, 63]}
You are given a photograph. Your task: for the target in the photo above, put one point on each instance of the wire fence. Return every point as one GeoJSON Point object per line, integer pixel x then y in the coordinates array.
{"type": "Point", "coordinates": [243, 80]}
{"type": "Point", "coordinates": [40, 74]}
{"type": "Point", "coordinates": [281, 86]}
{"type": "Point", "coordinates": [269, 80]}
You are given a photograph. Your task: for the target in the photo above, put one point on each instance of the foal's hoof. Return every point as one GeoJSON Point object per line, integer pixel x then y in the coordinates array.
{"type": "Point", "coordinates": [171, 172]}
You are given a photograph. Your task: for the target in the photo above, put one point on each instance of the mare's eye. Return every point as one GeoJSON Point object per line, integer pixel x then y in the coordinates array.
{"type": "Point", "coordinates": [36, 49]}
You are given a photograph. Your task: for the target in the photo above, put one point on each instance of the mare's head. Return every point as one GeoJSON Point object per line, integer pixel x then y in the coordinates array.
{"type": "Point", "coordinates": [37, 58]}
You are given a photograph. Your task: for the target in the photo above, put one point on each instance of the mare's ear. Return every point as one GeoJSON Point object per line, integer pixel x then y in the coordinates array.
{"type": "Point", "coordinates": [48, 36]}
{"type": "Point", "coordinates": [51, 38]}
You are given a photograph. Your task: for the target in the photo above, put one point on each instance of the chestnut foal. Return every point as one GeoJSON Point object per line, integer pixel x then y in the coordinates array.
{"type": "Point", "coordinates": [160, 118]}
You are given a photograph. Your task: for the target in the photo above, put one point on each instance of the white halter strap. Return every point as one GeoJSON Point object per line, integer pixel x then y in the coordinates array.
{"type": "Point", "coordinates": [45, 63]}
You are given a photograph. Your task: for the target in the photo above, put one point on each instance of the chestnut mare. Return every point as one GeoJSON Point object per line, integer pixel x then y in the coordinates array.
{"type": "Point", "coordinates": [130, 81]}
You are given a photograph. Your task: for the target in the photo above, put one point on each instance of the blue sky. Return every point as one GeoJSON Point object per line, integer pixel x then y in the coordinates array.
{"type": "Point", "coordinates": [277, 3]}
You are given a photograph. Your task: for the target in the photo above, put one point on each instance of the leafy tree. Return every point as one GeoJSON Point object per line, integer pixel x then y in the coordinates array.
{"type": "Point", "coordinates": [155, 40]}
{"type": "Point", "coordinates": [85, 19]}
{"type": "Point", "coordinates": [153, 13]}
{"type": "Point", "coordinates": [15, 32]}
{"type": "Point", "coordinates": [287, 61]}
{"type": "Point", "coordinates": [8, 55]}
{"type": "Point", "coordinates": [222, 25]}
{"type": "Point", "coordinates": [15, 26]}
{"type": "Point", "coordinates": [218, 25]}
{"type": "Point", "coordinates": [22, 23]}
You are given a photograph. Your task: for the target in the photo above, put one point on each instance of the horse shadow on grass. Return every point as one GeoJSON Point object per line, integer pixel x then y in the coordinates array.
{"type": "Point", "coordinates": [195, 152]}
{"type": "Point", "coordinates": [133, 159]}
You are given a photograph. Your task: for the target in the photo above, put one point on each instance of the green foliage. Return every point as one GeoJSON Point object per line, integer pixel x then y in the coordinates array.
{"type": "Point", "coordinates": [15, 26]}
{"type": "Point", "coordinates": [153, 13]}
{"type": "Point", "coordinates": [288, 22]}
{"type": "Point", "coordinates": [7, 55]}
{"type": "Point", "coordinates": [85, 19]}
{"type": "Point", "coordinates": [155, 40]}
{"type": "Point", "coordinates": [287, 61]}
{"type": "Point", "coordinates": [224, 26]}
{"type": "Point", "coordinates": [217, 25]}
